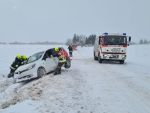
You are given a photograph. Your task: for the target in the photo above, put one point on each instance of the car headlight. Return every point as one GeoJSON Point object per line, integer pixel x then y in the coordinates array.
{"type": "Point", "coordinates": [29, 68]}
{"type": "Point", "coordinates": [32, 66]}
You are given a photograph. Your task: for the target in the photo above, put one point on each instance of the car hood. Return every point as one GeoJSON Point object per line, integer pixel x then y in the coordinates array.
{"type": "Point", "coordinates": [24, 67]}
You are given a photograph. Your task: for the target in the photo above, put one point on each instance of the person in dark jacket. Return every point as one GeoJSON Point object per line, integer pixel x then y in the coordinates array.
{"type": "Point", "coordinates": [19, 60]}
{"type": "Point", "coordinates": [70, 48]}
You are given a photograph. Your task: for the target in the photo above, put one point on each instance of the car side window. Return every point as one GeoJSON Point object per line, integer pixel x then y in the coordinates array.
{"type": "Point", "coordinates": [45, 56]}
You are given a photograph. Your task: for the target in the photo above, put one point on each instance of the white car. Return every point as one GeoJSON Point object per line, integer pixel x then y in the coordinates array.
{"type": "Point", "coordinates": [38, 64]}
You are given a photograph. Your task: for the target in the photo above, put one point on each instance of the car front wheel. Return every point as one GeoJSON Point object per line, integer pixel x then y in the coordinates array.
{"type": "Point", "coordinates": [41, 72]}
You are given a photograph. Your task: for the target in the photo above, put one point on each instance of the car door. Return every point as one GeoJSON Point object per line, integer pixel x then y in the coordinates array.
{"type": "Point", "coordinates": [51, 63]}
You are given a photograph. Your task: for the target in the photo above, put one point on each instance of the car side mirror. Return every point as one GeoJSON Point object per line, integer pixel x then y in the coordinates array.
{"type": "Point", "coordinates": [129, 40]}
{"type": "Point", "coordinates": [44, 58]}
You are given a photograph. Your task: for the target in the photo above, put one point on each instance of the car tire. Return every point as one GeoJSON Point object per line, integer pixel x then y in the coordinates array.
{"type": "Point", "coordinates": [68, 64]}
{"type": "Point", "coordinates": [41, 72]}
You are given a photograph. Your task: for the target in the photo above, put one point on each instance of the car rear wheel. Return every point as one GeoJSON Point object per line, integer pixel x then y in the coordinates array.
{"type": "Point", "coordinates": [68, 64]}
{"type": "Point", "coordinates": [41, 72]}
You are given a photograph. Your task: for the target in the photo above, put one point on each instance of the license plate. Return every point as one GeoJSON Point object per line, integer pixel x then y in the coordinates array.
{"type": "Point", "coordinates": [115, 56]}
{"type": "Point", "coordinates": [115, 50]}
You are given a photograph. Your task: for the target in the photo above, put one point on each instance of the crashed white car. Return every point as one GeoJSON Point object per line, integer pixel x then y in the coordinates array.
{"type": "Point", "coordinates": [38, 64]}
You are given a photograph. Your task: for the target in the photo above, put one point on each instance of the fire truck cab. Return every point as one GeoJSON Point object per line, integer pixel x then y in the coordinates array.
{"type": "Point", "coordinates": [111, 47]}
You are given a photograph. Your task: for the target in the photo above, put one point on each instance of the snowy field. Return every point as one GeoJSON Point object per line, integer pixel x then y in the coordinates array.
{"type": "Point", "coordinates": [87, 87]}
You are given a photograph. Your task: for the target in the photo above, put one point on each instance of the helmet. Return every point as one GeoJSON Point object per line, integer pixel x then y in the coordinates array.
{"type": "Point", "coordinates": [24, 57]}
{"type": "Point", "coordinates": [18, 56]}
{"type": "Point", "coordinates": [56, 49]}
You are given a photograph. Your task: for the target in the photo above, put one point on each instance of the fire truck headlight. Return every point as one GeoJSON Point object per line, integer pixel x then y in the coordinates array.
{"type": "Point", "coordinates": [104, 56]}
{"type": "Point", "coordinates": [123, 56]}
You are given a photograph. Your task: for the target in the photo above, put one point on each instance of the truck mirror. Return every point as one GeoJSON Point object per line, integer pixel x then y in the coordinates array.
{"type": "Point", "coordinates": [100, 40]}
{"type": "Point", "coordinates": [129, 38]}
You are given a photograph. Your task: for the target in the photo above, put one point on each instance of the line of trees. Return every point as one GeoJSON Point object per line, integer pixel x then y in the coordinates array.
{"type": "Point", "coordinates": [144, 41]}
{"type": "Point", "coordinates": [82, 40]}
{"type": "Point", "coordinates": [32, 43]}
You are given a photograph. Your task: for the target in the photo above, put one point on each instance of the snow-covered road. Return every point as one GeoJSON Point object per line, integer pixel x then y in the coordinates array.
{"type": "Point", "coordinates": [88, 87]}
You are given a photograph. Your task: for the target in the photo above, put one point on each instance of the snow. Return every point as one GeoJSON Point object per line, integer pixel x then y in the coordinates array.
{"type": "Point", "coordinates": [87, 87]}
{"type": "Point", "coordinates": [28, 106]}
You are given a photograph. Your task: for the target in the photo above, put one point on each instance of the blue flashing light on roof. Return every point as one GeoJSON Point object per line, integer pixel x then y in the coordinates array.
{"type": "Point", "coordinates": [124, 33]}
{"type": "Point", "coordinates": [105, 33]}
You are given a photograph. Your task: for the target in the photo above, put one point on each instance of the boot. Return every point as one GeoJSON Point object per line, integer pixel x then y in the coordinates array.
{"type": "Point", "coordinates": [55, 73]}
{"type": "Point", "coordinates": [10, 75]}
{"type": "Point", "coordinates": [59, 71]}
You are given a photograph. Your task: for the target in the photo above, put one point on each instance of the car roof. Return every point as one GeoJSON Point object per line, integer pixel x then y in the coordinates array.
{"type": "Point", "coordinates": [53, 48]}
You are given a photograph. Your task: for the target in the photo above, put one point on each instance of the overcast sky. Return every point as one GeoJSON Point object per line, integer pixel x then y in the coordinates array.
{"type": "Point", "coordinates": [58, 20]}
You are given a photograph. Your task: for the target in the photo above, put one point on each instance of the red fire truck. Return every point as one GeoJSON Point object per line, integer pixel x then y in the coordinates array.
{"type": "Point", "coordinates": [111, 47]}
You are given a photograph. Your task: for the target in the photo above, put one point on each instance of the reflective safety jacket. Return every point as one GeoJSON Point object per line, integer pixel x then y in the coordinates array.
{"type": "Point", "coordinates": [62, 56]}
{"type": "Point", "coordinates": [18, 62]}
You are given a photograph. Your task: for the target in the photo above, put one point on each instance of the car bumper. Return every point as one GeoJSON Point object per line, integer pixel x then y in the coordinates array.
{"type": "Point", "coordinates": [25, 76]}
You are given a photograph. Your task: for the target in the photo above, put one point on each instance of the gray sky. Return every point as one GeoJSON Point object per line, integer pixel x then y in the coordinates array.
{"type": "Point", "coordinates": [58, 20]}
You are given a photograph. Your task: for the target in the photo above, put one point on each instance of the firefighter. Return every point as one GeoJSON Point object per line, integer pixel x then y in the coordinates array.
{"type": "Point", "coordinates": [61, 60]}
{"type": "Point", "coordinates": [19, 60]}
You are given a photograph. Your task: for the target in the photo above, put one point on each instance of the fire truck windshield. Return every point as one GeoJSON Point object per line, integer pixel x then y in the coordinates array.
{"type": "Point", "coordinates": [115, 40]}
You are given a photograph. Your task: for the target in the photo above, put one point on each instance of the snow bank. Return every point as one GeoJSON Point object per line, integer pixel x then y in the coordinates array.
{"type": "Point", "coordinates": [27, 106]}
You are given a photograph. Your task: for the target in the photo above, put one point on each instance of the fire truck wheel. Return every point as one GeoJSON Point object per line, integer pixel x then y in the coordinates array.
{"type": "Point", "coordinates": [99, 60]}
{"type": "Point", "coordinates": [95, 58]}
{"type": "Point", "coordinates": [121, 61]}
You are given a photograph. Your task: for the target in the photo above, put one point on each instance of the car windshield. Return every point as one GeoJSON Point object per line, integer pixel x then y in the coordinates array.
{"type": "Point", "coordinates": [35, 57]}
{"type": "Point", "coordinates": [115, 40]}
